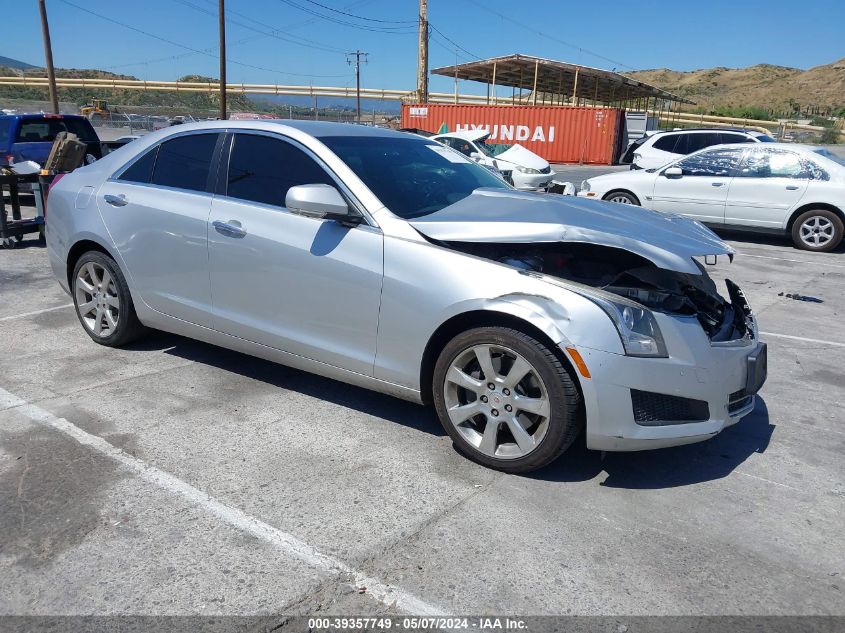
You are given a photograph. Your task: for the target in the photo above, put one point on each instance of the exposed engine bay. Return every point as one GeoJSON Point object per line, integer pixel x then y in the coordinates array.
{"type": "Point", "coordinates": [631, 276]}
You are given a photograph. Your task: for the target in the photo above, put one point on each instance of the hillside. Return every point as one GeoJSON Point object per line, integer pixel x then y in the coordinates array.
{"type": "Point", "coordinates": [781, 90]}
{"type": "Point", "coordinates": [8, 62]}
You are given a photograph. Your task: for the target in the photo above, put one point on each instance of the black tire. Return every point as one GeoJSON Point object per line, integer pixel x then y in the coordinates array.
{"type": "Point", "coordinates": [128, 327]}
{"type": "Point", "coordinates": [622, 197]}
{"type": "Point", "coordinates": [565, 420]}
{"type": "Point", "coordinates": [804, 225]}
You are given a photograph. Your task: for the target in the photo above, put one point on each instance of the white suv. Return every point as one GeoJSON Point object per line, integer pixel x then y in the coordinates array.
{"type": "Point", "coordinates": [663, 147]}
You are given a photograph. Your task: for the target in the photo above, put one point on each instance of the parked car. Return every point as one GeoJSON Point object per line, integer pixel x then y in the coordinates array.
{"type": "Point", "coordinates": [390, 262]}
{"type": "Point", "coordinates": [30, 136]}
{"type": "Point", "coordinates": [798, 190]}
{"type": "Point", "coordinates": [655, 150]}
{"type": "Point", "coordinates": [530, 172]}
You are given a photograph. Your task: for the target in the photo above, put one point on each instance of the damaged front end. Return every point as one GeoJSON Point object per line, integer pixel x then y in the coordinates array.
{"type": "Point", "coordinates": [632, 277]}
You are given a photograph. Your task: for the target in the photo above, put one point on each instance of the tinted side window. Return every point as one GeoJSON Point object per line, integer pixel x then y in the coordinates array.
{"type": "Point", "coordinates": [717, 162]}
{"type": "Point", "coordinates": [734, 138]}
{"type": "Point", "coordinates": [770, 163]}
{"type": "Point", "coordinates": [262, 169]}
{"type": "Point", "coordinates": [142, 169]}
{"type": "Point", "coordinates": [666, 143]}
{"type": "Point", "coordinates": [184, 162]}
{"type": "Point", "coordinates": [700, 140]}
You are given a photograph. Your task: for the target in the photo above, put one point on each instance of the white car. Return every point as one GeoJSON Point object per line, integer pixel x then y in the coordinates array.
{"type": "Point", "coordinates": [660, 148]}
{"type": "Point", "coordinates": [530, 172]}
{"type": "Point", "coordinates": [798, 190]}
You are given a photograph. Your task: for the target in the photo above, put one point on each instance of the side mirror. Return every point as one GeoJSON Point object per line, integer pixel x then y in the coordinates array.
{"type": "Point", "coordinates": [320, 201]}
{"type": "Point", "coordinates": [476, 156]}
{"type": "Point", "coordinates": [673, 172]}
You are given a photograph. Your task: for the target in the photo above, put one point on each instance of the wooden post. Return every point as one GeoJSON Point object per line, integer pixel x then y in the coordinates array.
{"type": "Point", "coordinates": [493, 89]}
{"type": "Point", "coordinates": [222, 22]}
{"type": "Point", "coordinates": [596, 94]}
{"type": "Point", "coordinates": [534, 90]}
{"type": "Point", "coordinates": [422, 54]}
{"type": "Point", "coordinates": [48, 57]}
{"type": "Point", "coordinates": [575, 88]}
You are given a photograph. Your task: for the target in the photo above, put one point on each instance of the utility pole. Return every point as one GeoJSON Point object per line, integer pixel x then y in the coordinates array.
{"type": "Point", "coordinates": [422, 59]}
{"type": "Point", "coordinates": [222, 17]}
{"type": "Point", "coordinates": [357, 55]}
{"type": "Point", "coordinates": [48, 56]}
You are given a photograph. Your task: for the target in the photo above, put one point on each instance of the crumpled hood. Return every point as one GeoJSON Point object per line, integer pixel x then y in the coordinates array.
{"type": "Point", "coordinates": [518, 155]}
{"type": "Point", "coordinates": [505, 216]}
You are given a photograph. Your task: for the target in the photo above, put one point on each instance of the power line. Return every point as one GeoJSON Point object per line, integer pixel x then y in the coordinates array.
{"type": "Point", "coordinates": [177, 44]}
{"type": "Point", "coordinates": [392, 30]}
{"type": "Point", "coordinates": [301, 41]}
{"type": "Point", "coordinates": [452, 42]}
{"type": "Point", "coordinates": [361, 17]}
{"type": "Point", "coordinates": [527, 27]}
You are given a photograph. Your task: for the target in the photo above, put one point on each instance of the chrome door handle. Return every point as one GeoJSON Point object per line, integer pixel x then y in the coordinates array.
{"type": "Point", "coordinates": [791, 187]}
{"type": "Point", "coordinates": [232, 228]}
{"type": "Point", "coordinates": [717, 184]}
{"type": "Point", "coordinates": [116, 201]}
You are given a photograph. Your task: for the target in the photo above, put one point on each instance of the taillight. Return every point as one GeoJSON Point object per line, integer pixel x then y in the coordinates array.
{"type": "Point", "coordinates": [10, 159]}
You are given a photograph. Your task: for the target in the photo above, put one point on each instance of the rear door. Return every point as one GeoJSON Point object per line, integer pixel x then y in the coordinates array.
{"type": "Point", "coordinates": [702, 189]}
{"type": "Point", "coordinates": [769, 184]}
{"type": "Point", "coordinates": [156, 212]}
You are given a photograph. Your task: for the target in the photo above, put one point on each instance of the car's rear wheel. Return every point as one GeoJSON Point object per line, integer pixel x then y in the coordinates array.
{"type": "Point", "coordinates": [506, 399]}
{"type": "Point", "coordinates": [817, 230]}
{"type": "Point", "coordinates": [622, 197]}
{"type": "Point", "coordinates": [102, 300]}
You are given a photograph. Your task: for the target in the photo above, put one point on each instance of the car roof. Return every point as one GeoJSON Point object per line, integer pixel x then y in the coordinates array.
{"type": "Point", "coordinates": [316, 129]}
{"type": "Point", "coordinates": [466, 135]}
{"type": "Point", "coordinates": [710, 129]}
{"type": "Point", "coordinates": [41, 115]}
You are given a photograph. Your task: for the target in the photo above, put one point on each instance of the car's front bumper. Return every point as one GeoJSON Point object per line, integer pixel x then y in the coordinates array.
{"type": "Point", "coordinates": [697, 372]}
{"type": "Point", "coordinates": [532, 182]}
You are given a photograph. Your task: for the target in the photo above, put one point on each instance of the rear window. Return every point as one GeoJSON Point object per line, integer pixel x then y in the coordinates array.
{"type": "Point", "coordinates": [184, 162]}
{"type": "Point", "coordinates": [46, 130]}
{"type": "Point", "coordinates": [700, 140]}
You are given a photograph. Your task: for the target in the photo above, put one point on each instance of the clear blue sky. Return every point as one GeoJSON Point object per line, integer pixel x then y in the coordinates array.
{"type": "Point", "coordinates": [610, 33]}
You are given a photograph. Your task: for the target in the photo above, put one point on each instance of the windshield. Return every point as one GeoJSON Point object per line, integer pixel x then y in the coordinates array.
{"type": "Point", "coordinates": [830, 156]}
{"type": "Point", "coordinates": [412, 177]}
{"type": "Point", "coordinates": [491, 150]}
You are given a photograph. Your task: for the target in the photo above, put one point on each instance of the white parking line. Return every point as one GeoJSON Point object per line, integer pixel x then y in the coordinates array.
{"type": "Point", "coordinates": [285, 543]}
{"type": "Point", "coordinates": [785, 259]}
{"type": "Point", "coordinates": [803, 339]}
{"type": "Point", "coordinates": [35, 312]}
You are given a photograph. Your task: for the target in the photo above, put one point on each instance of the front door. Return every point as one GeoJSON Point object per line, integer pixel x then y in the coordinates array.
{"type": "Point", "coordinates": [701, 190]}
{"type": "Point", "coordinates": [156, 212]}
{"type": "Point", "coordinates": [768, 185]}
{"type": "Point", "coordinates": [303, 285]}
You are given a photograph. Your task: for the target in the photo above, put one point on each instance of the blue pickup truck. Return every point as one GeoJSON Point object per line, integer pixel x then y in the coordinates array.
{"type": "Point", "coordinates": [30, 136]}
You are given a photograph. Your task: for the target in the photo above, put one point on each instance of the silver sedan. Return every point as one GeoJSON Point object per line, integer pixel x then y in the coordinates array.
{"type": "Point", "coordinates": [391, 262]}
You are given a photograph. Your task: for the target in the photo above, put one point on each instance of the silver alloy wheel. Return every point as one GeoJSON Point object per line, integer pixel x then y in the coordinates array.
{"type": "Point", "coordinates": [497, 401]}
{"type": "Point", "coordinates": [96, 299]}
{"type": "Point", "coordinates": [620, 198]}
{"type": "Point", "coordinates": [816, 231]}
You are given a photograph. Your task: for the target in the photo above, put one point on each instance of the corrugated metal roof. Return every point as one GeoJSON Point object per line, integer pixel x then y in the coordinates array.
{"type": "Point", "coordinates": [557, 78]}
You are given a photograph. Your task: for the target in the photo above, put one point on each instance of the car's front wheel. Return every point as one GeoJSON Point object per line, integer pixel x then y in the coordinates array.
{"type": "Point", "coordinates": [506, 399]}
{"type": "Point", "coordinates": [622, 197]}
{"type": "Point", "coordinates": [102, 300]}
{"type": "Point", "coordinates": [817, 230]}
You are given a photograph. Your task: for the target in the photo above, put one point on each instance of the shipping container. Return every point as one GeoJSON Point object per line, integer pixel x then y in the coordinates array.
{"type": "Point", "coordinates": [558, 134]}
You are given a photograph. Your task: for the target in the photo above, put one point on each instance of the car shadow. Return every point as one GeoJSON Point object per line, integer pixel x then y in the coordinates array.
{"type": "Point", "coordinates": [370, 402]}
{"type": "Point", "coordinates": [668, 467]}
{"type": "Point", "coordinates": [749, 237]}
{"type": "Point", "coordinates": [663, 468]}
